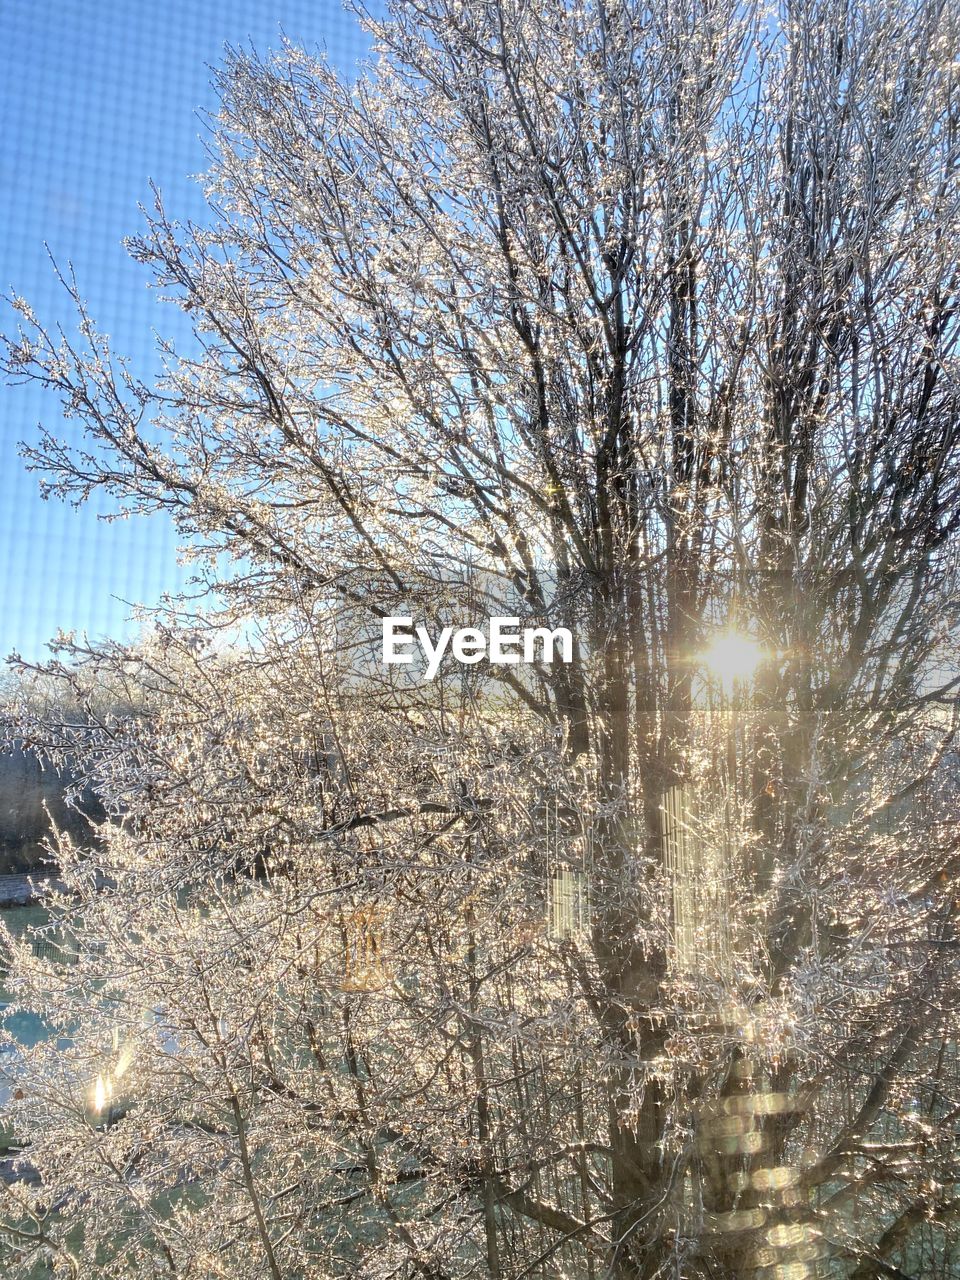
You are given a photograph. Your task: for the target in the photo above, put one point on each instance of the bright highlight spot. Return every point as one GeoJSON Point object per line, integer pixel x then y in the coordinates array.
{"type": "Point", "coordinates": [102, 1092]}
{"type": "Point", "coordinates": [733, 658]}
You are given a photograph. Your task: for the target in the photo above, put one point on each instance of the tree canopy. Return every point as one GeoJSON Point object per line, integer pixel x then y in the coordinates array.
{"type": "Point", "coordinates": [638, 319]}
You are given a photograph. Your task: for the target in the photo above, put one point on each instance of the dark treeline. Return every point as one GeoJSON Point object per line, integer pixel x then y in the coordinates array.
{"type": "Point", "coordinates": [33, 802]}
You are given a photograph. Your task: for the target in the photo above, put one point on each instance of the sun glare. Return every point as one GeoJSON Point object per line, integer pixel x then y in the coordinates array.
{"type": "Point", "coordinates": [732, 658]}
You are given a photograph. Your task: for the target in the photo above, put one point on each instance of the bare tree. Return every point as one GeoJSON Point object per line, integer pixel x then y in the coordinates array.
{"type": "Point", "coordinates": [636, 319]}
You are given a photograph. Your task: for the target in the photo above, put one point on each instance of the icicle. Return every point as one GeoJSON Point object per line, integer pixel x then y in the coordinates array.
{"type": "Point", "coordinates": [678, 861]}
{"type": "Point", "coordinates": [566, 887]}
{"type": "Point", "coordinates": [586, 879]}
{"type": "Point", "coordinates": [364, 966]}
{"type": "Point", "coordinates": [696, 864]}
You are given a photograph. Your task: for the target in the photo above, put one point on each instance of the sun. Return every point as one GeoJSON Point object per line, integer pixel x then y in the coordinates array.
{"type": "Point", "coordinates": [732, 657]}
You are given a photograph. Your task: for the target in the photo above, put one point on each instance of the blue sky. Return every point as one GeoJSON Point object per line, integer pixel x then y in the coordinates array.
{"type": "Point", "coordinates": [97, 97]}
